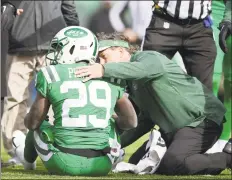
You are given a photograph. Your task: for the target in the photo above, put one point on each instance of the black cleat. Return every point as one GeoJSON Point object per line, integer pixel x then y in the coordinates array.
{"type": "Point", "coordinates": [228, 147]}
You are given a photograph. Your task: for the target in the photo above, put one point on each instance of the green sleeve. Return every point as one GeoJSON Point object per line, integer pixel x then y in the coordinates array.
{"type": "Point", "coordinates": [144, 65]}
{"type": "Point", "coordinates": [41, 84]}
{"type": "Point", "coordinates": [227, 14]}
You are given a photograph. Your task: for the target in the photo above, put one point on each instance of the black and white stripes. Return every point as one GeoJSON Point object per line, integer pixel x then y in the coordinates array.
{"type": "Point", "coordinates": [184, 9]}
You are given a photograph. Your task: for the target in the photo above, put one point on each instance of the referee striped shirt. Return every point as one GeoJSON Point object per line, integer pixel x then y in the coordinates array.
{"type": "Point", "coordinates": [184, 9]}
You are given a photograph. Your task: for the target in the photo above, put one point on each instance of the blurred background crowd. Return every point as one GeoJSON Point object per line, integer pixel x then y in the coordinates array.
{"type": "Point", "coordinates": [129, 17]}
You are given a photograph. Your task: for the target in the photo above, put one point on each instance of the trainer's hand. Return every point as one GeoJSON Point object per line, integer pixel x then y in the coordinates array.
{"type": "Point", "coordinates": [225, 31]}
{"type": "Point", "coordinates": [90, 72]}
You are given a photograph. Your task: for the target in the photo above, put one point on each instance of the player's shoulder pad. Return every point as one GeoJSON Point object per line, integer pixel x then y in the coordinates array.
{"type": "Point", "coordinates": [50, 74]}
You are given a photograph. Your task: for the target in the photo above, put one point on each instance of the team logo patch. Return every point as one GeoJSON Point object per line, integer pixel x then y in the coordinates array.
{"type": "Point", "coordinates": [166, 25]}
{"type": "Point", "coordinates": [75, 33]}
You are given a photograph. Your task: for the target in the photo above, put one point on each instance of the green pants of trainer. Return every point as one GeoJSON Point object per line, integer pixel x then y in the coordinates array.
{"type": "Point", "coordinates": [60, 163]}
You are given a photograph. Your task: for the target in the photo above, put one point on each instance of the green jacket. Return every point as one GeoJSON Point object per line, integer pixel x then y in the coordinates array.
{"type": "Point", "coordinates": [165, 93]}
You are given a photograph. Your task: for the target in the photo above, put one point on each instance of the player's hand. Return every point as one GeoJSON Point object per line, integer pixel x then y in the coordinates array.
{"type": "Point", "coordinates": [90, 72]}
{"type": "Point", "coordinates": [225, 31]}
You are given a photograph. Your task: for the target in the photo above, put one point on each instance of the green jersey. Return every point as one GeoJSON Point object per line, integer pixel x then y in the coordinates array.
{"type": "Point", "coordinates": [82, 111]}
{"type": "Point", "coordinates": [165, 93]}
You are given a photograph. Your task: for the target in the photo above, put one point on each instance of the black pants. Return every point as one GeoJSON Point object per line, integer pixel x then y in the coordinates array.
{"type": "Point", "coordinates": [185, 153]}
{"type": "Point", "coordinates": [194, 42]}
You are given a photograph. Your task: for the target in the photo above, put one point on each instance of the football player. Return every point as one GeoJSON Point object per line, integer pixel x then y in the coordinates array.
{"type": "Point", "coordinates": [188, 114]}
{"type": "Point", "coordinates": [83, 140]}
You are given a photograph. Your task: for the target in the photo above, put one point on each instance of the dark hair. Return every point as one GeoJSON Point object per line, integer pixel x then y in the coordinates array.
{"type": "Point", "coordinates": [117, 36]}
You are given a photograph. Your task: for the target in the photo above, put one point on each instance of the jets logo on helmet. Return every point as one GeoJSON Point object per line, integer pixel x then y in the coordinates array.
{"type": "Point", "coordinates": [71, 45]}
{"type": "Point", "coordinates": [75, 33]}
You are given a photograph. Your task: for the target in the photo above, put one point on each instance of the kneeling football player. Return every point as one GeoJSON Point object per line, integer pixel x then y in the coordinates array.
{"type": "Point", "coordinates": [83, 140]}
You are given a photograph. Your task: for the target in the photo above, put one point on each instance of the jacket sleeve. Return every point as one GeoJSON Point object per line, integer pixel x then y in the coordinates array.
{"type": "Point", "coordinates": [15, 3]}
{"type": "Point", "coordinates": [145, 66]}
{"type": "Point", "coordinates": [68, 9]}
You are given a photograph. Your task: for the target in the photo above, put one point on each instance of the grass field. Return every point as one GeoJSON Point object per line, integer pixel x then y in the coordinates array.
{"type": "Point", "coordinates": [41, 173]}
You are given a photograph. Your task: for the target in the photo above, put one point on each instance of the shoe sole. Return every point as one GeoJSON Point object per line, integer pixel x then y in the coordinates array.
{"type": "Point", "coordinates": [8, 164]}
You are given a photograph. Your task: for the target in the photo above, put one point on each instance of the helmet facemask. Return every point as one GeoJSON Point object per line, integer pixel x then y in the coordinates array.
{"type": "Point", "coordinates": [55, 51]}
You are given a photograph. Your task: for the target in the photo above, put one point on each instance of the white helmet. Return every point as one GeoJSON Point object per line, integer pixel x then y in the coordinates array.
{"type": "Point", "coordinates": [73, 44]}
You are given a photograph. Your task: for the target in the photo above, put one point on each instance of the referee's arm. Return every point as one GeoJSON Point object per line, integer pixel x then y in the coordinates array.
{"type": "Point", "coordinates": [115, 15]}
{"type": "Point", "coordinates": [225, 27]}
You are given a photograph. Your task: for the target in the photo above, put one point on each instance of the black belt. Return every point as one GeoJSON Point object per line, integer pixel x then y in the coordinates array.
{"type": "Point", "coordinates": [89, 153]}
{"type": "Point", "coordinates": [160, 13]}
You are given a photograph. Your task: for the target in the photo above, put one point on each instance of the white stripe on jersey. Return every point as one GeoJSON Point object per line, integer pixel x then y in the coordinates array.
{"type": "Point", "coordinates": [46, 75]}
{"type": "Point", "coordinates": [196, 7]}
{"type": "Point", "coordinates": [112, 80]}
{"type": "Point", "coordinates": [54, 72]}
{"type": "Point", "coordinates": [184, 9]}
{"type": "Point", "coordinates": [43, 146]}
{"type": "Point", "coordinates": [205, 9]}
{"type": "Point", "coordinates": [118, 81]}
{"type": "Point", "coordinates": [161, 4]}
{"type": "Point", "coordinates": [171, 8]}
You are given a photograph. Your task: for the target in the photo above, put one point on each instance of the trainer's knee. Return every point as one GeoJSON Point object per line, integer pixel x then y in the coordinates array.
{"type": "Point", "coordinates": [171, 164]}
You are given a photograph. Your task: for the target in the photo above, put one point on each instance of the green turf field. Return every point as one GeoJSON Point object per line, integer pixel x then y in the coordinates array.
{"type": "Point", "coordinates": [41, 173]}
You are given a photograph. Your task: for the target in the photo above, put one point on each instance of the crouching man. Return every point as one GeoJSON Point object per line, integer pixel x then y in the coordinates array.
{"type": "Point", "coordinates": [189, 116]}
